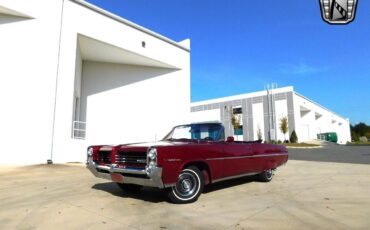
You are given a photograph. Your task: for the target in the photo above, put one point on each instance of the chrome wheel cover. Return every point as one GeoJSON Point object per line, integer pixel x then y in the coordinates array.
{"type": "Point", "coordinates": [187, 185]}
{"type": "Point", "coordinates": [269, 174]}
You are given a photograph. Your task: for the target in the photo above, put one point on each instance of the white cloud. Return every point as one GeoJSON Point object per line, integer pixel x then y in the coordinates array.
{"type": "Point", "coordinates": [300, 69]}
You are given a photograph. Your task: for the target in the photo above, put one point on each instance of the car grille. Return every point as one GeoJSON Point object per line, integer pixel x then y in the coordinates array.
{"type": "Point", "coordinates": [104, 157]}
{"type": "Point", "coordinates": [131, 157]}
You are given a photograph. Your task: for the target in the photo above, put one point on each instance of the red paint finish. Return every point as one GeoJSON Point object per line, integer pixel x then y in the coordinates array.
{"type": "Point", "coordinates": [215, 159]}
{"type": "Point", "coordinates": [223, 159]}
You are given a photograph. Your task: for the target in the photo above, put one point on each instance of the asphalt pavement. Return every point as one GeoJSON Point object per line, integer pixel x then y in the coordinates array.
{"type": "Point", "coordinates": [331, 152]}
{"type": "Point", "coordinates": [315, 193]}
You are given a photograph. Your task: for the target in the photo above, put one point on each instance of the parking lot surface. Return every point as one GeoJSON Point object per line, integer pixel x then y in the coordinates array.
{"type": "Point", "coordinates": [304, 194]}
{"type": "Point", "coordinates": [334, 153]}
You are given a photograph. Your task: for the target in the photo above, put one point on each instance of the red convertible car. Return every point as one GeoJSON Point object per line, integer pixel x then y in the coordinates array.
{"type": "Point", "coordinates": [188, 158]}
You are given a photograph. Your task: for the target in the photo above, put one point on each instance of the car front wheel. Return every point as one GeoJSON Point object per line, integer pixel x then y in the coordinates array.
{"type": "Point", "coordinates": [188, 187]}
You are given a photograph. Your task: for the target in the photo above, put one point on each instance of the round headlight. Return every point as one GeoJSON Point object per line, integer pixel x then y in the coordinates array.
{"type": "Point", "coordinates": [90, 152]}
{"type": "Point", "coordinates": [152, 154]}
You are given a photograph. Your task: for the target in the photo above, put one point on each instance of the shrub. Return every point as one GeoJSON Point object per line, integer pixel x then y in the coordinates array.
{"type": "Point", "coordinates": [279, 142]}
{"type": "Point", "coordinates": [293, 137]}
{"type": "Point", "coordinates": [363, 139]}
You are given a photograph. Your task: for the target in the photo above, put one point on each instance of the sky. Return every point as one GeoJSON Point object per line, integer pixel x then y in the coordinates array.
{"type": "Point", "coordinates": [240, 46]}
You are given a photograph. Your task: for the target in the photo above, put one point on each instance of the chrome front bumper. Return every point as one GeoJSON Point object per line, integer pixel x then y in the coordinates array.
{"type": "Point", "coordinates": [151, 176]}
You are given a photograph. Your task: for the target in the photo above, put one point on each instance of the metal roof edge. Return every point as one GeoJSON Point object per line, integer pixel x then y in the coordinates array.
{"type": "Point", "coordinates": [128, 23]}
{"type": "Point", "coordinates": [242, 96]}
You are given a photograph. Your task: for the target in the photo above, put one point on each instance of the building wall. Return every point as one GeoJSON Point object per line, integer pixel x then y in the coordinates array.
{"type": "Point", "coordinates": [154, 88]}
{"type": "Point", "coordinates": [45, 65]}
{"type": "Point", "coordinates": [258, 120]}
{"type": "Point", "coordinates": [28, 59]}
{"type": "Point", "coordinates": [264, 110]}
{"type": "Point", "coordinates": [126, 103]}
{"type": "Point", "coordinates": [207, 115]}
{"type": "Point", "coordinates": [261, 111]}
{"type": "Point", "coordinates": [312, 119]}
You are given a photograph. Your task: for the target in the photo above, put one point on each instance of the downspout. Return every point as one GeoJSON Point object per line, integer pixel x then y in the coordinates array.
{"type": "Point", "coordinates": [268, 114]}
{"type": "Point", "coordinates": [50, 161]}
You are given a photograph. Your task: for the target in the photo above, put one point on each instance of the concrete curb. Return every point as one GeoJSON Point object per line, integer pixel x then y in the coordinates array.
{"type": "Point", "coordinates": [307, 147]}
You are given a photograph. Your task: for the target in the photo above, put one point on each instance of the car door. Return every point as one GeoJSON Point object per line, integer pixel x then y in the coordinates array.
{"type": "Point", "coordinates": [237, 159]}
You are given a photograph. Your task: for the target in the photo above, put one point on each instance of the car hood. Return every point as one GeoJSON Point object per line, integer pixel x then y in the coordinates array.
{"type": "Point", "coordinates": [158, 144]}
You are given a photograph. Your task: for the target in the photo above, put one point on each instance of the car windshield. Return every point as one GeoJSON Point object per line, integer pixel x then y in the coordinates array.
{"type": "Point", "coordinates": [196, 132]}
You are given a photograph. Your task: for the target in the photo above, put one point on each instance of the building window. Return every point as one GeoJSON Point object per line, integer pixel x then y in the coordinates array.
{"type": "Point", "coordinates": [237, 110]}
{"type": "Point", "coordinates": [78, 127]}
{"type": "Point", "coordinates": [237, 120]}
{"type": "Point", "coordinates": [238, 131]}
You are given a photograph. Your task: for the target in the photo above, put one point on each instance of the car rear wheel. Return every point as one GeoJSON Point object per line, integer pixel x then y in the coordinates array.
{"type": "Point", "coordinates": [188, 187]}
{"type": "Point", "coordinates": [266, 175]}
{"type": "Point", "coordinates": [130, 188]}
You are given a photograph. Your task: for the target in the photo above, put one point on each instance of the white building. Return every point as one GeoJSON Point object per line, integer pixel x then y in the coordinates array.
{"type": "Point", "coordinates": [73, 74]}
{"type": "Point", "coordinates": [261, 112]}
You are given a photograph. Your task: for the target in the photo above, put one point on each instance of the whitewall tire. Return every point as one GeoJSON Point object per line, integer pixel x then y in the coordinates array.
{"type": "Point", "coordinates": [188, 187]}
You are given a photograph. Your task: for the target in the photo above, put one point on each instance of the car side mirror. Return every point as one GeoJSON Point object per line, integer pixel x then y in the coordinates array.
{"type": "Point", "coordinates": [230, 139]}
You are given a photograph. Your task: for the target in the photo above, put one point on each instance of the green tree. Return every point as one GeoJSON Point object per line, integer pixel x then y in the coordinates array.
{"type": "Point", "coordinates": [235, 120]}
{"type": "Point", "coordinates": [355, 136]}
{"type": "Point", "coordinates": [284, 126]}
{"type": "Point", "coordinates": [359, 130]}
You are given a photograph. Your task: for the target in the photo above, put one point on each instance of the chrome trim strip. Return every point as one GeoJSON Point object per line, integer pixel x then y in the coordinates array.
{"type": "Point", "coordinates": [226, 158]}
{"type": "Point", "coordinates": [234, 177]}
{"type": "Point", "coordinates": [172, 160]}
{"type": "Point", "coordinates": [169, 185]}
{"type": "Point", "coordinates": [103, 167]}
{"type": "Point", "coordinates": [127, 170]}
{"type": "Point", "coordinates": [252, 156]}
{"type": "Point", "coordinates": [267, 155]}
{"type": "Point", "coordinates": [106, 148]}
{"type": "Point", "coordinates": [154, 174]}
